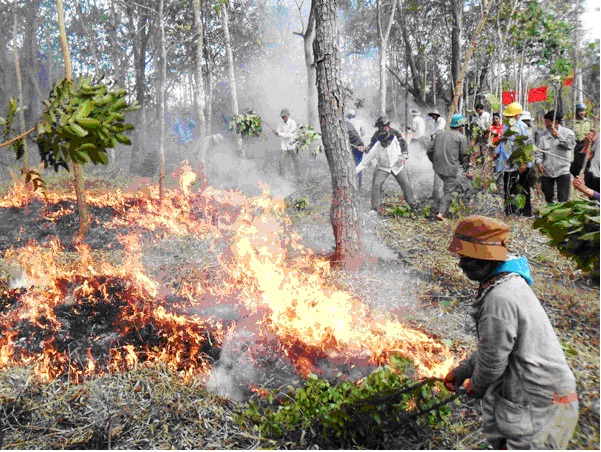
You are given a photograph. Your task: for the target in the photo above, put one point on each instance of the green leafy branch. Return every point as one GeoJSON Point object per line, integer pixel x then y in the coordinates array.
{"type": "Point", "coordinates": [574, 230]}
{"type": "Point", "coordinates": [246, 125]}
{"type": "Point", "coordinates": [305, 135]}
{"type": "Point", "coordinates": [80, 122]}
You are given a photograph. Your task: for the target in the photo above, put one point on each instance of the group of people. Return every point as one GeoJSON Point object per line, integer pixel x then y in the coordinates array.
{"type": "Point", "coordinates": [554, 155]}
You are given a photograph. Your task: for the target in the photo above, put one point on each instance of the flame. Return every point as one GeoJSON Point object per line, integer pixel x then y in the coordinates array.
{"type": "Point", "coordinates": [260, 266]}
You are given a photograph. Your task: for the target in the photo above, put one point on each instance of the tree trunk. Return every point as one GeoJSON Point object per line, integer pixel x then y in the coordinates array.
{"type": "Point", "coordinates": [140, 34]}
{"type": "Point", "coordinates": [199, 90]}
{"type": "Point", "coordinates": [308, 39]}
{"type": "Point", "coordinates": [162, 91]}
{"type": "Point", "coordinates": [457, 15]}
{"type": "Point", "coordinates": [19, 89]}
{"type": "Point", "coordinates": [343, 212]}
{"type": "Point", "coordinates": [383, 36]}
{"type": "Point", "coordinates": [231, 76]}
{"type": "Point", "coordinates": [84, 216]}
{"type": "Point", "coordinates": [468, 55]}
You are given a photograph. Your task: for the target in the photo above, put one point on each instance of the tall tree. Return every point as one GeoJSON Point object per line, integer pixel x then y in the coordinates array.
{"type": "Point", "coordinates": [308, 35]}
{"type": "Point", "coordinates": [199, 90]}
{"type": "Point", "coordinates": [82, 209]}
{"type": "Point", "coordinates": [343, 212]}
{"type": "Point", "coordinates": [383, 35]}
{"type": "Point", "coordinates": [19, 87]}
{"type": "Point", "coordinates": [162, 92]}
{"type": "Point", "coordinates": [227, 41]}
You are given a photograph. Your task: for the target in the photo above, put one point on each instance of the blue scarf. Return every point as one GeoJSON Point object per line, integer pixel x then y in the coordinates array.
{"type": "Point", "coordinates": [517, 265]}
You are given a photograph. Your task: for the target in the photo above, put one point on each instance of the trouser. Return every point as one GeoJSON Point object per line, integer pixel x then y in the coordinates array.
{"type": "Point", "coordinates": [591, 181]}
{"type": "Point", "coordinates": [449, 186]}
{"type": "Point", "coordinates": [509, 425]}
{"type": "Point", "coordinates": [578, 163]}
{"type": "Point", "coordinates": [519, 183]}
{"type": "Point", "coordinates": [287, 156]}
{"type": "Point", "coordinates": [547, 185]}
{"type": "Point", "coordinates": [403, 180]}
{"type": "Point", "coordinates": [437, 192]}
{"type": "Point", "coordinates": [358, 156]}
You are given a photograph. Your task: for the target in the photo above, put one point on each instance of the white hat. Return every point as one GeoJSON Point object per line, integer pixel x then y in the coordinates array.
{"type": "Point", "coordinates": [526, 116]}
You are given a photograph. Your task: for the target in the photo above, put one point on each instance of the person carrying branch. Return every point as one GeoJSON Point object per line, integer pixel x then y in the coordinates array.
{"type": "Point", "coordinates": [519, 369]}
{"type": "Point", "coordinates": [390, 155]}
{"type": "Point", "coordinates": [357, 146]}
{"type": "Point", "coordinates": [286, 130]}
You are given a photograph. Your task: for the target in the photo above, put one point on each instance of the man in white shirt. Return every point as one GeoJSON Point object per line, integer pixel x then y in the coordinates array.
{"type": "Point", "coordinates": [390, 160]}
{"type": "Point", "coordinates": [418, 130]}
{"type": "Point", "coordinates": [286, 130]}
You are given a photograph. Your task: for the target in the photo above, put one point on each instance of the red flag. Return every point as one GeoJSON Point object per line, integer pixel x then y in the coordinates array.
{"type": "Point", "coordinates": [537, 94]}
{"type": "Point", "coordinates": [568, 81]}
{"type": "Point", "coordinates": [508, 97]}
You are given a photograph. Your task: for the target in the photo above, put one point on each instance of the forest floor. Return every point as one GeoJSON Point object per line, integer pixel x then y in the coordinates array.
{"type": "Point", "coordinates": [410, 273]}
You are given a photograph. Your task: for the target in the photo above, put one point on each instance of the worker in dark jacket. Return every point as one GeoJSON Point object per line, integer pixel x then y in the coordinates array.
{"type": "Point", "coordinates": [519, 369]}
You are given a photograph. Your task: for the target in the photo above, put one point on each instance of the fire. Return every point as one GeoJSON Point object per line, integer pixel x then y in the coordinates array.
{"type": "Point", "coordinates": [87, 311]}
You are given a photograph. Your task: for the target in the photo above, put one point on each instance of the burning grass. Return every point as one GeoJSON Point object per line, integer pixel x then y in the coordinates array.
{"type": "Point", "coordinates": [203, 276]}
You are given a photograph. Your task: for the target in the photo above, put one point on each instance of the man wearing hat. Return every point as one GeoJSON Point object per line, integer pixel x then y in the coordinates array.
{"type": "Point", "coordinates": [519, 369]}
{"type": "Point", "coordinates": [582, 126]}
{"type": "Point", "coordinates": [286, 130]}
{"type": "Point", "coordinates": [556, 144]}
{"type": "Point", "coordinates": [448, 154]}
{"type": "Point", "coordinates": [439, 123]}
{"type": "Point", "coordinates": [390, 155]}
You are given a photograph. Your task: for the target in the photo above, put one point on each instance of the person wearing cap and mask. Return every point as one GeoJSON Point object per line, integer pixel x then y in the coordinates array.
{"type": "Point", "coordinates": [519, 369]}
{"type": "Point", "coordinates": [556, 144]}
{"type": "Point", "coordinates": [448, 154]}
{"type": "Point", "coordinates": [286, 130]}
{"type": "Point", "coordinates": [439, 123]}
{"type": "Point", "coordinates": [390, 155]}
{"type": "Point", "coordinates": [582, 126]}
{"type": "Point", "coordinates": [516, 180]}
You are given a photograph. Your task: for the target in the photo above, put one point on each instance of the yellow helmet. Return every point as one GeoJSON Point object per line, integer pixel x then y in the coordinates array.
{"type": "Point", "coordinates": [513, 109]}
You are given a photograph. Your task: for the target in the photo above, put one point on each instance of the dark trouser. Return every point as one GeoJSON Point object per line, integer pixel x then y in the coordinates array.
{"type": "Point", "coordinates": [591, 181]}
{"type": "Point", "coordinates": [547, 185]}
{"type": "Point", "coordinates": [285, 158]}
{"type": "Point", "coordinates": [402, 178]}
{"type": "Point", "coordinates": [449, 185]}
{"type": "Point", "coordinates": [578, 163]}
{"type": "Point", "coordinates": [519, 183]}
{"type": "Point", "coordinates": [358, 155]}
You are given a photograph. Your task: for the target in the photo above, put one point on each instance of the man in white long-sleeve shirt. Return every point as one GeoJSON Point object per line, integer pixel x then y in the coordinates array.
{"type": "Point", "coordinates": [286, 130]}
{"type": "Point", "coordinates": [390, 160]}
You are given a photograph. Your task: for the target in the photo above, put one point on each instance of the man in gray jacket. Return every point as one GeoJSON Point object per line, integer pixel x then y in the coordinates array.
{"type": "Point", "coordinates": [519, 369]}
{"type": "Point", "coordinates": [556, 144]}
{"type": "Point", "coordinates": [448, 154]}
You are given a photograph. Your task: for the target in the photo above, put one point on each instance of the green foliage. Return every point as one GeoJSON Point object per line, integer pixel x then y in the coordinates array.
{"type": "Point", "coordinates": [9, 132]}
{"type": "Point", "coordinates": [80, 122]}
{"type": "Point", "coordinates": [248, 124]}
{"type": "Point", "coordinates": [574, 230]}
{"type": "Point", "coordinates": [493, 101]}
{"type": "Point", "coordinates": [305, 135]}
{"type": "Point", "coordinates": [398, 210]}
{"type": "Point", "coordinates": [522, 152]}
{"type": "Point", "coordinates": [298, 203]}
{"type": "Point", "coordinates": [348, 412]}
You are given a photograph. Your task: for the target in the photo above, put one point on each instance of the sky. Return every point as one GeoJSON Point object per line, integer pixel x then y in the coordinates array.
{"type": "Point", "coordinates": [591, 21]}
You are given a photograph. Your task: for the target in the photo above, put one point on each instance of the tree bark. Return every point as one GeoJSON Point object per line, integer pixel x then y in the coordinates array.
{"type": "Point", "coordinates": [308, 39]}
{"type": "Point", "coordinates": [84, 216]}
{"type": "Point", "coordinates": [343, 212]}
